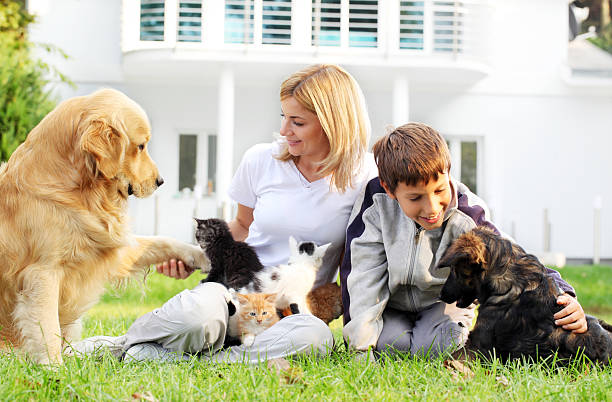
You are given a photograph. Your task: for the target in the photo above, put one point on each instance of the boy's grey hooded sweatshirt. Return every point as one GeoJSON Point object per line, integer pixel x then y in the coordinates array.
{"type": "Point", "coordinates": [390, 261]}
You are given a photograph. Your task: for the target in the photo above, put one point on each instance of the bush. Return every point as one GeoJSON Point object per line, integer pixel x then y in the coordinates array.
{"type": "Point", "coordinates": [25, 90]}
{"type": "Point", "coordinates": [604, 38]}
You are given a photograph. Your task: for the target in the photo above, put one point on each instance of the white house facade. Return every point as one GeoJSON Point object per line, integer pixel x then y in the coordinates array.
{"type": "Point", "coordinates": [527, 114]}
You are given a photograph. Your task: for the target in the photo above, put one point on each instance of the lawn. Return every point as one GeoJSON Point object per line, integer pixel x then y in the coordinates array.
{"type": "Point", "coordinates": [337, 377]}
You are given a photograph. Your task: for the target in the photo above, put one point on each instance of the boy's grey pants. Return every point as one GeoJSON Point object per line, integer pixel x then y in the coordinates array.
{"type": "Point", "coordinates": [438, 328]}
{"type": "Point", "coordinates": [196, 320]}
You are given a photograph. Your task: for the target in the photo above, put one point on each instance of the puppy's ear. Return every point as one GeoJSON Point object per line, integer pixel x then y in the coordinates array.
{"type": "Point", "coordinates": [475, 248]}
{"type": "Point", "coordinates": [450, 258]}
{"type": "Point", "coordinates": [467, 247]}
{"type": "Point", "coordinates": [106, 147]}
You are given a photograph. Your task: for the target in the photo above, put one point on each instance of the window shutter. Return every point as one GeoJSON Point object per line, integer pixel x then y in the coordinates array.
{"type": "Point", "coordinates": [326, 22]}
{"type": "Point", "coordinates": [449, 27]}
{"type": "Point", "coordinates": [151, 20]}
{"type": "Point", "coordinates": [411, 25]}
{"type": "Point", "coordinates": [239, 21]}
{"type": "Point", "coordinates": [190, 21]}
{"type": "Point", "coordinates": [276, 20]}
{"type": "Point", "coordinates": [363, 23]}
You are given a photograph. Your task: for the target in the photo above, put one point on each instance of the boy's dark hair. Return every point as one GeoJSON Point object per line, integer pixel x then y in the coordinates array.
{"type": "Point", "coordinates": [412, 154]}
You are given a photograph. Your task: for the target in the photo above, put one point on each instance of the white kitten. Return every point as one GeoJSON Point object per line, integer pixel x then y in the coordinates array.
{"type": "Point", "coordinates": [292, 281]}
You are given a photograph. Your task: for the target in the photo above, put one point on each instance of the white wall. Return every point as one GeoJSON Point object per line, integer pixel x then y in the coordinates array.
{"type": "Point", "coordinates": [540, 152]}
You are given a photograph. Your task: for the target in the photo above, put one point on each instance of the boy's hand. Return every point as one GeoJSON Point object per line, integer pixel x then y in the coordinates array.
{"type": "Point", "coordinates": [571, 317]}
{"type": "Point", "coordinates": [174, 269]}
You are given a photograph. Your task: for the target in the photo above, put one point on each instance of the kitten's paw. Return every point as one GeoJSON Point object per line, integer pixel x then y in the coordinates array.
{"type": "Point", "coordinates": [248, 340]}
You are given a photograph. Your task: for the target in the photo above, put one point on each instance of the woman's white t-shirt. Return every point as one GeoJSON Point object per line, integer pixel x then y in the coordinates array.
{"type": "Point", "coordinates": [285, 204]}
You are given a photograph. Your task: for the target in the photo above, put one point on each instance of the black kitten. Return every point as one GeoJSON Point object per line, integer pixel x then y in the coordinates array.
{"type": "Point", "coordinates": [233, 263]}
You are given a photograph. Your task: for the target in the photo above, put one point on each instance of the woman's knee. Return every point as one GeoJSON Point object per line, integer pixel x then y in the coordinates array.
{"type": "Point", "coordinates": [310, 332]}
{"type": "Point", "coordinates": [206, 302]}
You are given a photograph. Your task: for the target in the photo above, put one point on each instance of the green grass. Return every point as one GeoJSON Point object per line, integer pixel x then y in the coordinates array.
{"type": "Point", "coordinates": [337, 377]}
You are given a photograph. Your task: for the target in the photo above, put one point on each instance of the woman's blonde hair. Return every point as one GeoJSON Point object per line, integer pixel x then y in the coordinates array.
{"type": "Point", "coordinates": [334, 96]}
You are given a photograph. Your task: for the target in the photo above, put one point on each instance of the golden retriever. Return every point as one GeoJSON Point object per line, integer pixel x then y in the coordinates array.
{"type": "Point", "coordinates": [63, 230]}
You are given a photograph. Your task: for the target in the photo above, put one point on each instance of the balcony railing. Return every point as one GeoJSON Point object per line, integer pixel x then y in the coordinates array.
{"type": "Point", "coordinates": [389, 26]}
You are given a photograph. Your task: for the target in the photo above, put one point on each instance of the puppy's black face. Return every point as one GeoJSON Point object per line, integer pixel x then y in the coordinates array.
{"type": "Point", "coordinates": [467, 258]}
{"type": "Point", "coordinates": [463, 283]}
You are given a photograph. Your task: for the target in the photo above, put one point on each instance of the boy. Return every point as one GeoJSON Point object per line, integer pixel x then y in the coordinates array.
{"type": "Point", "coordinates": [398, 231]}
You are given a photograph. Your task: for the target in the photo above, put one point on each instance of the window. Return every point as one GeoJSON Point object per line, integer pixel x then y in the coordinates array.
{"type": "Point", "coordinates": [190, 21]}
{"type": "Point", "coordinates": [469, 153]}
{"type": "Point", "coordinates": [326, 22]}
{"type": "Point", "coordinates": [363, 23]}
{"type": "Point", "coordinates": [212, 164]}
{"type": "Point", "coordinates": [151, 20]}
{"type": "Point", "coordinates": [198, 162]}
{"type": "Point", "coordinates": [411, 24]}
{"type": "Point", "coordinates": [188, 158]}
{"type": "Point", "coordinates": [448, 26]}
{"type": "Point", "coordinates": [239, 21]}
{"type": "Point", "coordinates": [276, 22]}
{"type": "Point", "coordinates": [466, 161]}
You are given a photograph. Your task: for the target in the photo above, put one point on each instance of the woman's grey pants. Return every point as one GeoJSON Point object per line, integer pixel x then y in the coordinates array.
{"type": "Point", "coordinates": [196, 321]}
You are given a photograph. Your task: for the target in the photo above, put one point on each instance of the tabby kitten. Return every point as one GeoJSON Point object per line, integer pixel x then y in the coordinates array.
{"type": "Point", "coordinates": [255, 312]}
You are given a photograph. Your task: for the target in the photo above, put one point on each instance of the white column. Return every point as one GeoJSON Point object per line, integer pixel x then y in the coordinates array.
{"type": "Point", "coordinates": [301, 18]}
{"type": "Point", "coordinates": [389, 26]}
{"type": "Point", "coordinates": [401, 101]}
{"type": "Point", "coordinates": [257, 21]}
{"type": "Point", "coordinates": [454, 147]}
{"type": "Point", "coordinates": [344, 23]}
{"type": "Point", "coordinates": [170, 22]}
{"type": "Point", "coordinates": [130, 23]}
{"type": "Point", "coordinates": [428, 26]}
{"type": "Point", "coordinates": [225, 142]}
{"type": "Point", "coordinates": [213, 20]}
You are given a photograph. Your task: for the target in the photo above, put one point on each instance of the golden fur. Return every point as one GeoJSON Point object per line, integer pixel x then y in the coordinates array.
{"type": "Point", "coordinates": [64, 232]}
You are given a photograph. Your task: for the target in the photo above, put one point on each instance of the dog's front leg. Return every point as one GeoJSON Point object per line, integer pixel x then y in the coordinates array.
{"type": "Point", "coordinates": [71, 332]}
{"type": "Point", "coordinates": [36, 314]}
{"type": "Point", "coordinates": [149, 250]}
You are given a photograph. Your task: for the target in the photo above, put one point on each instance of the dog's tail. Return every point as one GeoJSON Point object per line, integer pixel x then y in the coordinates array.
{"type": "Point", "coordinates": [605, 325]}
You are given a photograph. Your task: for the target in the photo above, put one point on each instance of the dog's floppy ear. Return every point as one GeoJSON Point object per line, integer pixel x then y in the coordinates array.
{"type": "Point", "coordinates": [106, 146]}
{"type": "Point", "coordinates": [468, 247]}
{"type": "Point", "coordinates": [451, 257]}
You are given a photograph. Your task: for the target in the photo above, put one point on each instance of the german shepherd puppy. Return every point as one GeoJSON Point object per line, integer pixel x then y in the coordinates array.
{"type": "Point", "coordinates": [517, 302]}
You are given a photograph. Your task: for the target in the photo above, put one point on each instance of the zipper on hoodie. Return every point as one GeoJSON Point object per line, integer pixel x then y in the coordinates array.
{"type": "Point", "coordinates": [410, 270]}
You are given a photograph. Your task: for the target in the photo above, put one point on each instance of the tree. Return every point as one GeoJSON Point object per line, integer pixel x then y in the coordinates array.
{"type": "Point", "coordinates": [25, 81]}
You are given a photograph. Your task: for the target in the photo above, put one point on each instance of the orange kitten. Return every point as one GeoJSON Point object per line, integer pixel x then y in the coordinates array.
{"type": "Point", "coordinates": [255, 312]}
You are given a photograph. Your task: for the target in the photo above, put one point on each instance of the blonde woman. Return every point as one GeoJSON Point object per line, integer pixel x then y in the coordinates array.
{"type": "Point", "coordinates": [303, 185]}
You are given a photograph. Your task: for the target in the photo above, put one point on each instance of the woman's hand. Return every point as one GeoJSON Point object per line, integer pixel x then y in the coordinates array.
{"type": "Point", "coordinates": [174, 269]}
{"type": "Point", "coordinates": [571, 317]}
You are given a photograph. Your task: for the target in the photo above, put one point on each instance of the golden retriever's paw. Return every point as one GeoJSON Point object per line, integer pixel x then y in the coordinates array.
{"type": "Point", "coordinates": [47, 361]}
{"type": "Point", "coordinates": [195, 258]}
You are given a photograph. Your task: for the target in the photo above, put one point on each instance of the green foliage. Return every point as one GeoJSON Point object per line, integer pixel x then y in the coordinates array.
{"type": "Point", "coordinates": [25, 93]}
{"type": "Point", "coordinates": [604, 38]}
{"type": "Point", "coordinates": [593, 285]}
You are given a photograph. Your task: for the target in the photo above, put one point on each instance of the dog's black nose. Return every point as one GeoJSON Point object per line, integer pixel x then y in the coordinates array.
{"type": "Point", "coordinates": [159, 181]}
